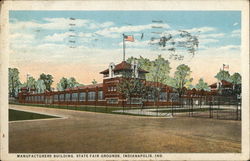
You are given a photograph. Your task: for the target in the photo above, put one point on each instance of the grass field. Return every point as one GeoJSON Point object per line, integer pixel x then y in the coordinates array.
{"type": "Point", "coordinates": [15, 115]}
{"type": "Point", "coordinates": [100, 109]}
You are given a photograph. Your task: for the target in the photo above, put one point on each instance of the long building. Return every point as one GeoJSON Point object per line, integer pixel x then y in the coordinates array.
{"type": "Point", "coordinates": [107, 93]}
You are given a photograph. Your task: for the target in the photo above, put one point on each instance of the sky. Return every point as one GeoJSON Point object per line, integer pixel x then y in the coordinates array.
{"type": "Point", "coordinates": [81, 44]}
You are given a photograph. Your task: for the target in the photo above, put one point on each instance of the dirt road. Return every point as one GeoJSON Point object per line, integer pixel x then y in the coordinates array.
{"type": "Point", "coordinates": [82, 132]}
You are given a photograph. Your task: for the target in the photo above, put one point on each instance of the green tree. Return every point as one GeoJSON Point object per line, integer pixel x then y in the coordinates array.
{"type": "Point", "coordinates": [130, 87]}
{"type": "Point", "coordinates": [67, 83]}
{"type": "Point", "coordinates": [31, 82]}
{"type": "Point", "coordinates": [72, 82]}
{"type": "Point", "coordinates": [201, 85]}
{"type": "Point", "coordinates": [40, 86]}
{"type": "Point", "coordinates": [47, 79]}
{"type": "Point", "coordinates": [223, 75]}
{"type": "Point", "coordinates": [236, 78]}
{"type": "Point", "coordinates": [14, 82]}
{"type": "Point", "coordinates": [158, 69]}
{"type": "Point", "coordinates": [94, 82]}
{"type": "Point", "coordinates": [63, 84]}
{"type": "Point", "coordinates": [181, 78]}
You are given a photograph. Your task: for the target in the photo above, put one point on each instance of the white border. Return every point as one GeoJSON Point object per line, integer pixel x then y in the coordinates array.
{"type": "Point", "coordinates": [242, 5]}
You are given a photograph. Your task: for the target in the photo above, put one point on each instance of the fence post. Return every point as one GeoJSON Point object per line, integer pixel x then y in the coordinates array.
{"type": "Point", "coordinates": [172, 110]}
{"type": "Point", "coordinates": [210, 108]}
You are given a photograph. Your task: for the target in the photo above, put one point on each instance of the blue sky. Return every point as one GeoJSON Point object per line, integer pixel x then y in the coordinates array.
{"type": "Point", "coordinates": [46, 37]}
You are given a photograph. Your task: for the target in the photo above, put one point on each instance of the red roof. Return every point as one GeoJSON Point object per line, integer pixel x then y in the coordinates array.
{"type": "Point", "coordinates": [122, 66]}
{"type": "Point", "coordinates": [223, 84]}
{"type": "Point", "coordinates": [99, 85]}
{"type": "Point", "coordinates": [155, 84]}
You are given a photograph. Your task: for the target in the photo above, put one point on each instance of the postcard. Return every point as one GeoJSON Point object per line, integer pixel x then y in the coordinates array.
{"type": "Point", "coordinates": [124, 80]}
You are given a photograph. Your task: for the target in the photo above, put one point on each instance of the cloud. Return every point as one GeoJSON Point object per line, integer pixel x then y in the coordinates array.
{"type": "Point", "coordinates": [218, 35]}
{"type": "Point", "coordinates": [201, 29]}
{"type": "Point", "coordinates": [48, 24]}
{"type": "Point", "coordinates": [58, 37]}
{"type": "Point", "coordinates": [115, 32]}
{"type": "Point", "coordinates": [95, 25]}
{"type": "Point", "coordinates": [229, 47]}
{"type": "Point", "coordinates": [235, 24]}
{"type": "Point", "coordinates": [236, 33]}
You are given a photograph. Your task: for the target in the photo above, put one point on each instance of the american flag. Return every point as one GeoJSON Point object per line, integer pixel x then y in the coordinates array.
{"type": "Point", "coordinates": [129, 38]}
{"type": "Point", "coordinates": [225, 66]}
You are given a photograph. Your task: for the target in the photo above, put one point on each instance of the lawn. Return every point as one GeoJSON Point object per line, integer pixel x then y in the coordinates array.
{"type": "Point", "coordinates": [15, 115]}
{"type": "Point", "coordinates": [100, 109]}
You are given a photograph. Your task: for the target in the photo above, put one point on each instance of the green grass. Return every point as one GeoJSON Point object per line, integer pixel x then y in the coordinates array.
{"type": "Point", "coordinates": [100, 109]}
{"type": "Point", "coordinates": [15, 115]}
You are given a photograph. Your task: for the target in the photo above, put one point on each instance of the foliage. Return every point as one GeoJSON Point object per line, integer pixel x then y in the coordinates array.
{"type": "Point", "coordinates": [158, 69]}
{"type": "Point", "coordinates": [94, 82]}
{"type": "Point", "coordinates": [201, 85]}
{"type": "Point", "coordinates": [31, 82]}
{"type": "Point", "coordinates": [14, 82]}
{"type": "Point", "coordinates": [236, 78]}
{"type": "Point", "coordinates": [181, 78]}
{"type": "Point", "coordinates": [67, 83]}
{"type": "Point", "coordinates": [47, 79]}
{"type": "Point", "coordinates": [223, 75]}
{"type": "Point", "coordinates": [40, 86]}
{"type": "Point", "coordinates": [132, 87]}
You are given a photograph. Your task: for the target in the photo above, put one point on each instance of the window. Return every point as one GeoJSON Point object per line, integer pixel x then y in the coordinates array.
{"type": "Point", "coordinates": [112, 101]}
{"type": "Point", "coordinates": [56, 97]}
{"type": "Point", "coordinates": [174, 97]}
{"type": "Point", "coordinates": [42, 98]}
{"type": "Point", "coordinates": [74, 96]}
{"type": "Point", "coordinates": [151, 97]}
{"type": "Point", "coordinates": [163, 96]}
{"type": "Point", "coordinates": [100, 95]}
{"type": "Point", "coordinates": [135, 101]}
{"type": "Point", "coordinates": [67, 97]}
{"type": "Point", "coordinates": [82, 96]}
{"type": "Point", "coordinates": [61, 97]}
{"type": "Point", "coordinates": [91, 96]}
{"type": "Point", "coordinates": [114, 88]}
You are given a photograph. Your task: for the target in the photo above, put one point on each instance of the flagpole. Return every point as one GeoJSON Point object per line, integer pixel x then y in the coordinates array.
{"type": "Point", "coordinates": [123, 47]}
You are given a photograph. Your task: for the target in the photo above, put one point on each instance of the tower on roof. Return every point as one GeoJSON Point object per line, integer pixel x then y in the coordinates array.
{"type": "Point", "coordinates": [124, 69]}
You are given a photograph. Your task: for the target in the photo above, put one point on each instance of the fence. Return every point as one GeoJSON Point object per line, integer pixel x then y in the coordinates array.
{"type": "Point", "coordinates": [219, 107]}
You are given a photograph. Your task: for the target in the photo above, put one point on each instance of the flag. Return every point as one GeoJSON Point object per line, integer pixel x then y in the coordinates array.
{"type": "Point", "coordinates": [225, 66]}
{"type": "Point", "coordinates": [129, 38]}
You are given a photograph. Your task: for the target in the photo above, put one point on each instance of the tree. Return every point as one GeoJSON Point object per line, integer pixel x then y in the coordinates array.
{"type": "Point", "coordinates": [14, 82]}
{"type": "Point", "coordinates": [130, 87]}
{"type": "Point", "coordinates": [181, 78]}
{"type": "Point", "coordinates": [236, 81]}
{"type": "Point", "coordinates": [236, 78]}
{"type": "Point", "coordinates": [94, 82]}
{"type": "Point", "coordinates": [63, 84]}
{"type": "Point", "coordinates": [201, 85]}
{"type": "Point", "coordinates": [40, 86]}
{"type": "Point", "coordinates": [47, 79]}
{"type": "Point", "coordinates": [72, 82]}
{"type": "Point", "coordinates": [67, 83]}
{"type": "Point", "coordinates": [158, 69]}
{"type": "Point", "coordinates": [31, 82]}
{"type": "Point", "coordinates": [223, 75]}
